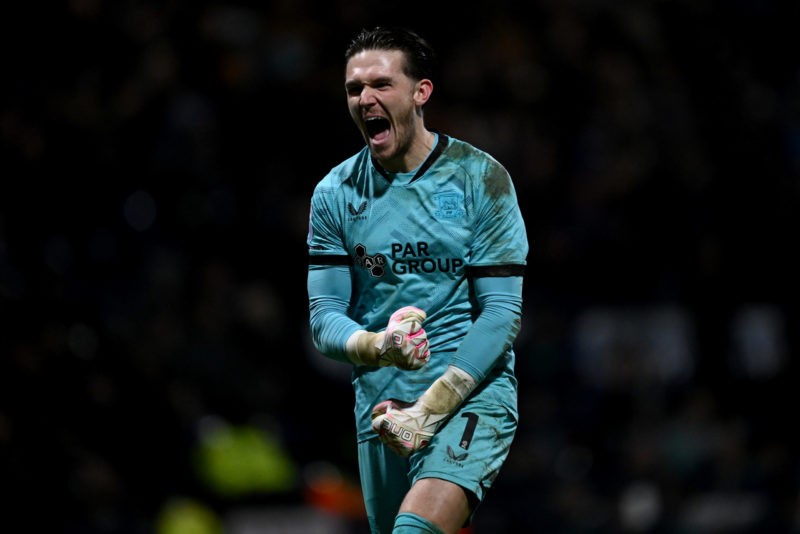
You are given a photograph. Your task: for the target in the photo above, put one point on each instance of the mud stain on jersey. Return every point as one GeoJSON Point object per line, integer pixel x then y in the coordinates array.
{"type": "Point", "coordinates": [498, 183]}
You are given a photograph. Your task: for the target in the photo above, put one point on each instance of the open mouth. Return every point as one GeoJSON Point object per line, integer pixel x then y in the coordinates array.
{"type": "Point", "coordinates": [376, 126]}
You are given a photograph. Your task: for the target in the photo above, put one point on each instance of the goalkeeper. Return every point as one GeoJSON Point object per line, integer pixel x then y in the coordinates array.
{"type": "Point", "coordinates": [417, 249]}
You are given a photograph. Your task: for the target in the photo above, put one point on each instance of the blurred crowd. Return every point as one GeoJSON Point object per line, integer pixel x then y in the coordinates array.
{"type": "Point", "coordinates": [156, 373]}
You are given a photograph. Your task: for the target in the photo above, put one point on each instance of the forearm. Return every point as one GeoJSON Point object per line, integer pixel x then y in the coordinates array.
{"type": "Point", "coordinates": [403, 344]}
{"type": "Point", "coordinates": [329, 295]}
{"type": "Point", "coordinates": [495, 329]}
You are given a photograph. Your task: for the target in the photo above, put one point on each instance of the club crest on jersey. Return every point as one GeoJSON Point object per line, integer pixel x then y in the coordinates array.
{"type": "Point", "coordinates": [357, 213]}
{"type": "Point", "coordinates": [450, 205]}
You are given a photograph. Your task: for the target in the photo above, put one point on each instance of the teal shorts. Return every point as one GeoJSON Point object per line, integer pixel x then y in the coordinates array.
{"type": "Point", "coordinates": [468, 450]}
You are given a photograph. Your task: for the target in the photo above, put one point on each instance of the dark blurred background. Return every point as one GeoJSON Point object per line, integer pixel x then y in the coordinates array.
{"type": "Point", "coordinates": [156, 373]}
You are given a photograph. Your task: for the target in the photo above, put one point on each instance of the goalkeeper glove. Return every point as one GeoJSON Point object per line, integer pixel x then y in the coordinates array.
{"type": "Point", "coordinates": [407, 427]}
{"type": "Point", "coordinates": [403, 344]}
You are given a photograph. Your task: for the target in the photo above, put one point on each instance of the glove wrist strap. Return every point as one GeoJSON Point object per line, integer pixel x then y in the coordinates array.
{"type": "Point", "coordinates": [448, 391]}
{"type": "Point", "coordinates": [361, 348]}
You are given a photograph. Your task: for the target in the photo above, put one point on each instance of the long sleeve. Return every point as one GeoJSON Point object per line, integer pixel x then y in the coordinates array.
{"type": "Point", "coordinates": [495, 329]}
{"type": "Point", "coordinates": [329, 289]}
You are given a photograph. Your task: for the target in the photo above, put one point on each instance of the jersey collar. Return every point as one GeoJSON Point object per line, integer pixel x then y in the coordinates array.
{"type": "Point", "coordinates": [441, 144]}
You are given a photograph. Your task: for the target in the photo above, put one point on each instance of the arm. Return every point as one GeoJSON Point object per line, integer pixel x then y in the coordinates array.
{"type": "Point", "coordinates": [407, 427]}
{"type": "Point", "coordinates": [403, 344]}
{"type": "Point", "coordinates": [496, 328]}
{"type": "Point", "coordinates": [329, 290]}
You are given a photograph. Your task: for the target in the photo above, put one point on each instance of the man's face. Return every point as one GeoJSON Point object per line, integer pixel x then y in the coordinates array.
{"type": "Point", "coordinates": [382, 102]}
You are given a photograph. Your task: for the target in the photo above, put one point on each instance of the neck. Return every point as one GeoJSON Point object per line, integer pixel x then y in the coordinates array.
{"type": "Point", "coordinates": [419, 148]}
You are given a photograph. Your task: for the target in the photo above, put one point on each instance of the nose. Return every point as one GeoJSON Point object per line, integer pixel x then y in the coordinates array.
{"type": "Point", "coordinates": [367, 96]}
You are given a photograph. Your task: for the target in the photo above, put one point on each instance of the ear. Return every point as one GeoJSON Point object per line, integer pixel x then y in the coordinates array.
{"type": "Point", "coordinates": [423, 91]}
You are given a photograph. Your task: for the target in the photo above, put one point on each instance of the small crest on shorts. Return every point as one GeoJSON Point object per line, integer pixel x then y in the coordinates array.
{"type": "Point", "coordinates": [456, 456]}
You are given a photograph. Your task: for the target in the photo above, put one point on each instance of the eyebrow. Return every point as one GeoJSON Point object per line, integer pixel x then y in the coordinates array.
{"type": "Point", "coordinates": [373, 81]}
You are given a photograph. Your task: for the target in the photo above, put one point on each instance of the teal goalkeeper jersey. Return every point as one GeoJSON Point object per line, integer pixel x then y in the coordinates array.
{"type": "Point", "coordinates": [417, 239]}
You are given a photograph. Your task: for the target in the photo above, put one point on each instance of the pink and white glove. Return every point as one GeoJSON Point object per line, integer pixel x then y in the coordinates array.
{"type": "Point", "coordinates": [403, 344]}
{"type": "Point", "coordinates": [407, 427]}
